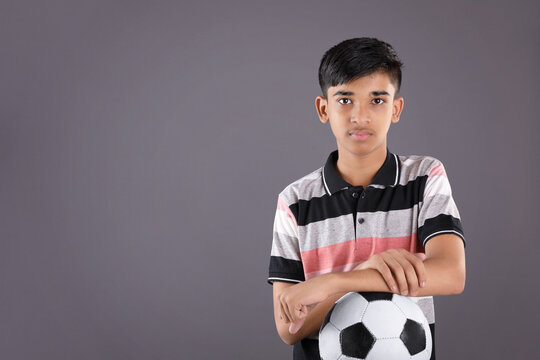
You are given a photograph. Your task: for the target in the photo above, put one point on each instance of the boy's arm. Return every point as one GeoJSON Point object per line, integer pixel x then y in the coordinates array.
{"type": "Point", "coordinates": [372, 281]}
{"type": "Point", "coordinates": [314, 318]}
{"type": "Point", "coordinates": [444, 268]}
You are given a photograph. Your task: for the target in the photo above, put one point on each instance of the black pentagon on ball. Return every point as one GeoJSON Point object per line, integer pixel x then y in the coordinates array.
{"type": "Point", "coordinates": [356, 341]}
{"type": "Point", "coordinates": [413, 336]}
{"type": "Point", "coordinates": [374, 296]}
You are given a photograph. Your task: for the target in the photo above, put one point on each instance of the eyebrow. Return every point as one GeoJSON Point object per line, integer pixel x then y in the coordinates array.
{"type": "Point", "coordinates": [373, 93]}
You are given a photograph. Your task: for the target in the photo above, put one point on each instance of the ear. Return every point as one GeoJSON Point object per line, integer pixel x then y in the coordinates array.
{"type": "Point", "coordinates": [322, 106]}
{"type": "Point", "coordinates": [397, 107]}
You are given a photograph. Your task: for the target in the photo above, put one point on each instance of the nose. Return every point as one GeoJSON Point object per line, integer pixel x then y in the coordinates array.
{"type": "Point", "coordinates": [360, 115]}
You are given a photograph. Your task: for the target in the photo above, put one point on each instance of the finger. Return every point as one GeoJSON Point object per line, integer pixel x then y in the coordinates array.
{"type": "Point", "coordinates": [295, 326]}
{"type": "Point", "coordinates": [302, 312]}
{"type": "Point", "coordinates": [397, 271]}
{"type": "Point", "coordinates": [405, 258]}
{"type": "Point", "coordinates": [387, 275]}
{"type": "Point", "coordinates": [284, 313]}
{"type": "Point", "coordinates": [417, 261]}
{"type": "Point", "coordinates": [291, 312]}
{"type": "Point", "coordinates": [298, 313]}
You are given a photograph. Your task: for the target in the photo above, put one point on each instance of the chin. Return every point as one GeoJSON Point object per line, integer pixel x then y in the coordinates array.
{"type": "Point", "coordinates": [360, 152]}
{"type": "Point", "coordinates": [360, 149]}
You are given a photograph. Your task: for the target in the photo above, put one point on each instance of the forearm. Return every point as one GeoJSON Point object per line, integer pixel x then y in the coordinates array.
{"type": "Point", "coordinates": [442, 276]}
{"type": "Point", "coordinates": [314, 319]}
{"type": "Point", "coordinates": [442, 279]}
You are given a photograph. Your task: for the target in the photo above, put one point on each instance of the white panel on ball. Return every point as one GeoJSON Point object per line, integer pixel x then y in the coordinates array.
{"type": "Point", "coordinates": [411, 311]}
{"type": "Point", "coordinates": [424, 355]}
{"type": "Point", "coordinates": [345, 357]}
{"type": "Point", "coordinates": [330, 348]}
{"type": "Point", "coordinates": [388, 349]}
{"type": "Point", "coordinates": [351, 309]}
{"type": "Point", "coordinates": [383, 319]}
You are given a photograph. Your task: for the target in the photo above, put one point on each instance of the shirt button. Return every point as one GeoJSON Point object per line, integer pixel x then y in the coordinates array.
{"type": "Point", "coordinates": [355, 195]}
{"type": "Point", "coordinates": [361, 220]}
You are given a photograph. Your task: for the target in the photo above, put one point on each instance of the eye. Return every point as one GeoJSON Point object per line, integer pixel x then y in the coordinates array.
{"type": "Point", "coordinates": [345, 99]}
{"type": "Point", "coordinates": [381, 101]}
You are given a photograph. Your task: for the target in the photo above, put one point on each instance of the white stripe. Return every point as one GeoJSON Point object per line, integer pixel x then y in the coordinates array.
{"type": "Point", "coordinates": [324, 181]}
{"type": "Point", "coordinates": [394, 223]}
{"type": "Point", "coordinates": [437, 205]}
{"type": "Point", "coordinates": [278, 279]}
{"type": "Point", "coordinates": [437, 185]}
{"type": "Point", "coordinates": [285, 246]}
{"type": "Point", "coordinates": [283, 224]}
{"type": "Point", "coordinates": [442, 232]}
{"type": "Point", "coordinates": [397, 170]}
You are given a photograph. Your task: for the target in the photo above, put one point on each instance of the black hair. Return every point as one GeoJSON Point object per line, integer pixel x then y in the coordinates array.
{"type": "Point", "coordinates": [357, 57]}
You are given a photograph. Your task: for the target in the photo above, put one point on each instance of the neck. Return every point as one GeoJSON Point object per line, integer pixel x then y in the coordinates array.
{"type": "Point", "coordinates": [359, 170]}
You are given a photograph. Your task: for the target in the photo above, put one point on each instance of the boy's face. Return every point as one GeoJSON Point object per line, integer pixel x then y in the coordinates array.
{"type": "Point", "coordinates": [360, 113]}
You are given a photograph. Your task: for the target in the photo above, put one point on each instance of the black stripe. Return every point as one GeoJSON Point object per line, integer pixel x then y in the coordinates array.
{"type": "Point", "coordinates": [397, 197]}
{"type": "Point", "coordinates": [286, 268]}
{"type": "Point", "coordinates": [432, 328]}
{"type": "Point", "coordinates": [438, 223]}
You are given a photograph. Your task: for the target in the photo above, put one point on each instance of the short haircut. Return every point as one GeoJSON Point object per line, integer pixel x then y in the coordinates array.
{"type": "Point", "coordinates": [358, 57]}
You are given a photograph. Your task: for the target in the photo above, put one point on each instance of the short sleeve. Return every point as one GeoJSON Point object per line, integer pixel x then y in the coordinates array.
{"type": "Point", "coordinates": [438, 213]}
{"type": "Point", "coordinates": [285, 261]}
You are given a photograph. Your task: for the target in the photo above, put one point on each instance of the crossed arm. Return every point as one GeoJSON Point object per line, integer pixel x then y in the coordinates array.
{"type": "Point", "coordinates": [299, 309]}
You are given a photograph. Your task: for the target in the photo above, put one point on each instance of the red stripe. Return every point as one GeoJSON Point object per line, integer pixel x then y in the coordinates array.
{"type": "Point", "coordinates": [437, 170]}
{"type": "Point", "coordinates": [282, 205]}
{"type": "Point", "coordinates": [344, 256]}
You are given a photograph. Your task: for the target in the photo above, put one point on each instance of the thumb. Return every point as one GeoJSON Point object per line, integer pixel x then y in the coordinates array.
{"type": "Point", "coordinates": [302, 314]}
{"type": "Point", "coordinates": [295, 326]}
{"type": "Point", "coordinates": [422, 256]}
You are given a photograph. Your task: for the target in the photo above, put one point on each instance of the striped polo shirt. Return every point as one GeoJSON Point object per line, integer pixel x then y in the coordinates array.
{"type": "Point", "coordinates": [324, 224]}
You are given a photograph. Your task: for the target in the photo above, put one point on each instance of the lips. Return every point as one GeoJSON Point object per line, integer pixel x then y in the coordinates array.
{"type": "Point", "coordinates": [359, 132]}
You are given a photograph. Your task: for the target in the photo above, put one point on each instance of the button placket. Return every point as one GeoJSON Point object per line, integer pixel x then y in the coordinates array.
{"type": "Point", "coordinates": [360, 220]}
{"type": "Point", "coordinates": [355, 195]}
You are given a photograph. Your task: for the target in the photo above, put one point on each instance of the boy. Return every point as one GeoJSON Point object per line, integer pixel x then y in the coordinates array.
{"type": "Point", "coordinates": [368, 220]}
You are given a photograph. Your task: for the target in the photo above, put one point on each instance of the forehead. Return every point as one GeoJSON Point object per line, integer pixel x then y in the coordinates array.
{"type": "Point", "coordinates": [378, 81]}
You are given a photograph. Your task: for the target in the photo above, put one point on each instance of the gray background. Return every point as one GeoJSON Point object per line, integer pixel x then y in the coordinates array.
{"type": "Point", "coordinates": [143, 145]}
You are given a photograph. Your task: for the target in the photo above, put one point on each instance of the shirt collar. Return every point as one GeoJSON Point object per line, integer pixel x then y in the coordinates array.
{"type": "Point", "coordinates": [388, 174]}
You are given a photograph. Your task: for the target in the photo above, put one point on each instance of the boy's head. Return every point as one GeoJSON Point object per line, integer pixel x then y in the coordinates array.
{"type": "Point", "coordinates": [358, 57]}
{"type": "Point", "coordinates": [360, 79]}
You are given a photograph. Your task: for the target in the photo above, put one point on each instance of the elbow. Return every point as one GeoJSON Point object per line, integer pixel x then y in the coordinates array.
{"type": "Point", "coordinates": [290, 341]}
{"type": "Point", "coordinates": [459, 282]}
{"type": "Point", "coordinates": [288, 338]}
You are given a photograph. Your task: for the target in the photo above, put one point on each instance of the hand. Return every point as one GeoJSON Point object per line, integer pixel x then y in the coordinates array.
{"type": "Point", "coordinates": [297, 301]}
{"type": "Point", "coordinates": [399, 266]}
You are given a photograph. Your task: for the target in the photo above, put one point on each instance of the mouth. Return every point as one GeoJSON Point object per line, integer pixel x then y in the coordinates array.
{"type": "Point", "coordinates": [359, 134]}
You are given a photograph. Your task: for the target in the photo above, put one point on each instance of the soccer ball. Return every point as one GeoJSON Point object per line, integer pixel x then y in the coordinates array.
{"type": "Point", "coordinates": [375, 326]}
